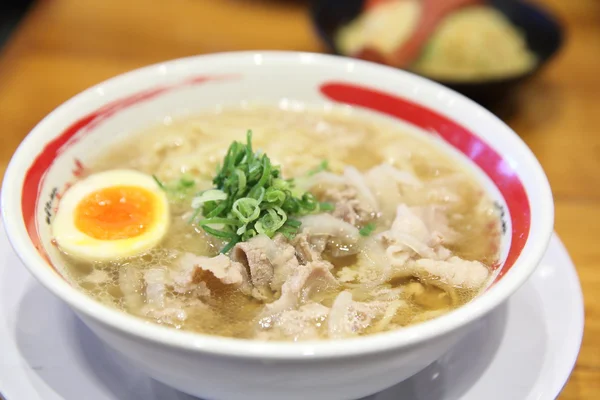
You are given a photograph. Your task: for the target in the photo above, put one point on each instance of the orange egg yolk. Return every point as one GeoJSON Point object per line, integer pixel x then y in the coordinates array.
{"type": "Point", "coordinates": [114, 213]}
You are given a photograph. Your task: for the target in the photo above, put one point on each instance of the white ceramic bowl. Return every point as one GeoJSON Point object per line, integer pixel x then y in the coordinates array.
{"type": "Point", "coordinates": [223, 368]}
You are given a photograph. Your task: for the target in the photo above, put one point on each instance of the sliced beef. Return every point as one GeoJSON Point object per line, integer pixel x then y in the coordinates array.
{"type": "Point", "coordinates": [195, 272]}
{"type": "Point", "coordinates": [305, 281]}
{"type": "Point", "coordinates": [398, 255]}
{"type": "Point", "coordinates": [422, 230]}
{"type": "Point", "coordinates": [156, 281]}
{"type": "Point", "coordinates": [305, 323]}
{"type": "Point", "coordinates": [268, 263]}
{"type": "Point", "coordinates": [326, 231]}
{"type": "Point", "coordinates": [348, 206]}
{"type": "Point", "coordinates": [331, 227]}
{"type": "Point", "coordinates": [389, 184]}
{"type": "Point", "coordinates": [350, 318]}
{"type": "Point", "coordinates": [363, 192]}
{"type": "Point", "coordinates": [166, 315]}
{"type": "Point", "coordinates": [253, 255]}
{"type": "Point", "coordinates": [309, 247]}
{"type": "Point", "coordinates": [455, 271]}
{"type": "Point", "coordinates": [372, 267]}
{"type": "Point", "coordinates": [410, 231]}
{"type": "Point", "coordinates": [415, 233]}
{"type": "Point", "coordinates": [437, 224]}
{"type": "Point", "coordinates": [351, 196]}
{"type": "Point", "coordinates": [387, 294]}
{"type": "Point", "coordinates": [162, 308]}
{"type": "Point", "coordinates": [175, 311]}
{"type": "Point", "coordinates": [284, 262]}
{"type": "Point", "coordinates": [131, 285]}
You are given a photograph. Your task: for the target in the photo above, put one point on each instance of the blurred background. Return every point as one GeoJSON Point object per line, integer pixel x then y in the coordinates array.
{"type": "Point", "coordinates": [534, 63]}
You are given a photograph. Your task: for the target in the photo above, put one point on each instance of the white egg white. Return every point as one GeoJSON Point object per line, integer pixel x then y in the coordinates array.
{"type": "Point", "coordinates": [82, 246]}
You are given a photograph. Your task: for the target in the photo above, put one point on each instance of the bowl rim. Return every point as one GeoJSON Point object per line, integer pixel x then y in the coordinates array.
{"type": "Point", "coordinates": [116, 320]}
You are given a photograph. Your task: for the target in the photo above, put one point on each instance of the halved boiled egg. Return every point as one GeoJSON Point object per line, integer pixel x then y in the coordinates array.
{"type": "Point", "coordinates": [111, 215]}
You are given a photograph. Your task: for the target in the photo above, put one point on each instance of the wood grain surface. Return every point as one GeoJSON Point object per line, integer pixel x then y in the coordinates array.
{"type": "Point", "coordinates": [64, 46]}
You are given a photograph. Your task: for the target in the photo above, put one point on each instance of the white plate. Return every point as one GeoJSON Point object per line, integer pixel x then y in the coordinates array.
{"type": "Point", "coordinates": [526, 349]}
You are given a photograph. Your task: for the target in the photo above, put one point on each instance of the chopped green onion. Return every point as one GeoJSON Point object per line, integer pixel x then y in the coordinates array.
{"type": "Point", "coordinates": [241, 180]}
{"type": "Point", "coordinates": [271, 221]}
{"type": "Point", "coordinates": [230, 245]}
{"type": "Point", "coordinates": [367, 229]}
{"type": "Point", "coordinates": [251, 197]}
{"type": "Point", "coordinates": [294, 223]}
{"type": "Point", "coordinates": [309, 202]}
{"type": "Point", "coordinates": [325, 206]}
{"type": "Point", "coordinates": [218, 221]}
{"type": "Point", "coordinates": [246, 209]}
{"type": "Point", "coordinates": [195, 215]}
{"type": "Point", "coordinates": [159, 183]}
{"type": "Point", "coordinates": [187, 182]}
{"type": "Point", "coordinates": [275, 196]}
{"type": "Point", "coordinates": [214, 211]}
{"type": "Point", "coordinates": [178, 190]}
{"type": "Point", "coordinates": [218, 233]}
{"type": "Point", "coordinates": [324, 166]}
{"type": "Point", "coordinates": [208, 195]}
{"type": "Point", "coordinates": [257, 193]}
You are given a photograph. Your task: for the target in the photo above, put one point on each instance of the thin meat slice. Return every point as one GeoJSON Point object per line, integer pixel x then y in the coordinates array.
{"type": "Point", "coordinates": [359, 183]}
{"type": "Point", "coordinates": [353, 200]}
{"type": "Point", "coordinates": [373, 267]}
{"type": "Point", "coordinates": [309, 247]}
{"type": "Point", "coordinates": [410, 231]}
{"type": "Point", "coordinates": [131, 285]}
{"type": "Point", "coordinates": [347, 206]}
{"type": "Point", "coordinates": [195, 272]}
{"type": "Point", "coordinates": [349, 318]}
{"type": "Point", "coordinates": [267, 262]}
{"type": "Point", "coordinates": [305, 323]}
{"type": "Point", "coordinates": [321, 231]}
{"type": "Point", "coordinates": [305, 282]}
{"type": "Point", "coordinates": [166, 315]}
{"type": "Point", "coordinates": [156, 281]}
{"type": "Point", "coordinates": [175, 311]}
{"type": "Point", "coordinates": [253, 255]}
{"type": "Point", "coordinates": [416, 232]}
{"type": "Point", "coordinates": [387, 184]}
{"type": "Point", "coordinates": [162, 308]}
{"type": "Point", "coordinates": [421, 229]}
{"type": "Point", "coordinates": [455, 271]}
{"type": "Point", "coordinates": [330, 226]}
{"type": "Point", "coordinates": [284, 262]}
{"type": "Point", "coordinates": [437, 224]}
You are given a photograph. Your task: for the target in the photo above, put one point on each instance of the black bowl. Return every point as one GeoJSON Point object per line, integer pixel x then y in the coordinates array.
{"type": "Point", "coordinates": [543, 34]}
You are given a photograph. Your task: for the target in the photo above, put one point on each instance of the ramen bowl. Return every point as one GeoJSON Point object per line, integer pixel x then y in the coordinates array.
{"type": "Point", "coordinates": [213, 367]}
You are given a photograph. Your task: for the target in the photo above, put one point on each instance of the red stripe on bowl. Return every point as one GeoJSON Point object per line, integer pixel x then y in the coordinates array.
{"type": "Point", "coordinates": [503, 176]}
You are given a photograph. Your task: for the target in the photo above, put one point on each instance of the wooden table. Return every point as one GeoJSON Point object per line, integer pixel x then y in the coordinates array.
{"type": "Point", "coordinates": [64, 46]}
